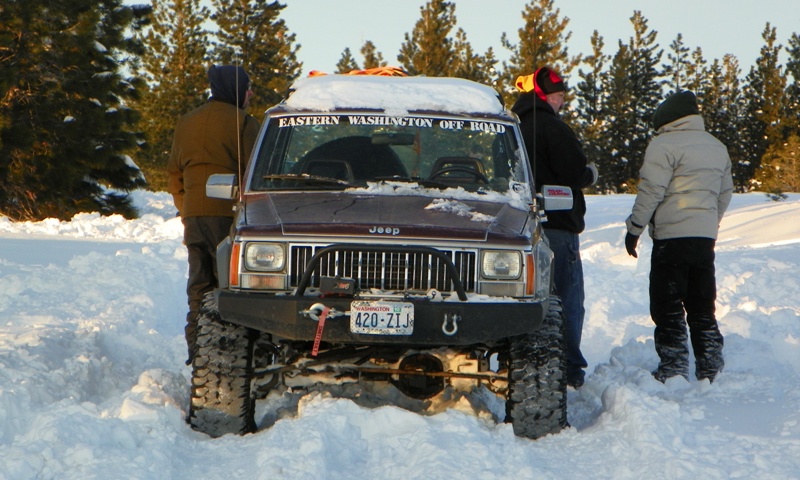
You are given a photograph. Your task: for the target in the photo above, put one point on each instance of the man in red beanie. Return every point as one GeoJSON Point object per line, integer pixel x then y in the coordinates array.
{"type": "Point", "coordinates": [216, 137]}
{"type": "Point", "coordinates": [557, 158]}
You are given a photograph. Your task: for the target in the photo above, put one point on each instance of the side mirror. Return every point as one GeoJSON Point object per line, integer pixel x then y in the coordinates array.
{"type": "Point", "coordinates": [222, 185]}
{"type": "Point", "coordinates": [556, 197]}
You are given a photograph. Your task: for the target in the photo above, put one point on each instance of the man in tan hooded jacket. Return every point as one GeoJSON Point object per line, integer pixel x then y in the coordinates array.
{"type": "Point", "coordinates": [216, 137]}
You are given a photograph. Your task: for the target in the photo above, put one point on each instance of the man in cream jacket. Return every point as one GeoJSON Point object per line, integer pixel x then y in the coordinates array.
{"type": "Point", "coordinates": [684, 189]}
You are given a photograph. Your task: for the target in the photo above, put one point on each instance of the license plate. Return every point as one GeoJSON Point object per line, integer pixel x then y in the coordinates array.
{"type": "Point", "coordinates": [381, 318]}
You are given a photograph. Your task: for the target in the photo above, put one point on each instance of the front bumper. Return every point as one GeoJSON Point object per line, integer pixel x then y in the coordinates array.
{"type": "Point", "coordinates": [435, 323]}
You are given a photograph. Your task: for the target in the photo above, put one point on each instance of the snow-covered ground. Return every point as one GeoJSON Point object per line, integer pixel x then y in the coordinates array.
{"type": "Point", "coordinates": [93, 383]}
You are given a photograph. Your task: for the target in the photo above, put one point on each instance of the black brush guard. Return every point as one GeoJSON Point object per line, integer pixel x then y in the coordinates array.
{"type": "Point", "coordinates": [295, 317]}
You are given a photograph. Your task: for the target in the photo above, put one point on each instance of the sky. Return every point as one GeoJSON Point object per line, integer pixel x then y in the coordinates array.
{"type": "Point", "coordinates": [93, 383]}
{"type": "Point", "coordinates": [324, 28]}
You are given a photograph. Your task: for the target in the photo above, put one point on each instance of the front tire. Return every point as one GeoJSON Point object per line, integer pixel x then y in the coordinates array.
{"type": "Point", "coordinates": [222, 374]}
{"type": "Point", "coordinates": [536, 404]}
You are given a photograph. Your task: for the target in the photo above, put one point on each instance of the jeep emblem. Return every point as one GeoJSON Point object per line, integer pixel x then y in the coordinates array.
{"type": "Point", "coordinates": [385, 230]}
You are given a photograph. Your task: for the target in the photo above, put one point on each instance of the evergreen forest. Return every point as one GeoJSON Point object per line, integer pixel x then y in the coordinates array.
{"type": "Point", "coordinates": [90, 90]}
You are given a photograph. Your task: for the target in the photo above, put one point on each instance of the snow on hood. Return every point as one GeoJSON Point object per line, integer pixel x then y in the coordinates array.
{"type": "Point", "coordinates": [518, 195]}
{"type": "Point", "coordinates": [459, 208]}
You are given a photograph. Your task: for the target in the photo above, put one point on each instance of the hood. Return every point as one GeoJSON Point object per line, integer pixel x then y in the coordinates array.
{"type": "Point", "coordinates": [379, 216]}
{"type": "Point", "coordinates": [229, 84]}
{"type": "Point", "coordinates": [689, 122]}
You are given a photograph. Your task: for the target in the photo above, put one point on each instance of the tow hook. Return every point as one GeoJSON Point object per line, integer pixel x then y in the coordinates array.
{"type": "Point", "coordinates": [450, 323]}
{"type": "Point", "coordinates": [315, 311]}
{"type": "Point", "coordinates": [319, 312]}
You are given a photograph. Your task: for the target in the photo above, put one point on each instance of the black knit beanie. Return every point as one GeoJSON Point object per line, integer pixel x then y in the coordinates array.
{"type": "Point", "coordinates": [547, 81]}
{"type": "Point", "coordinates": [226, 81]}
{"type": "Point", "coordinates": [677, 105]}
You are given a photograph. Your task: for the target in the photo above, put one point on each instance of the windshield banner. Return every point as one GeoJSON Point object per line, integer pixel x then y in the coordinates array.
{"type": "Point", "coordinates": [380, 120]}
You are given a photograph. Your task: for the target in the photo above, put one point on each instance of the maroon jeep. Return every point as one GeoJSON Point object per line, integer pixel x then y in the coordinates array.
{"type": "Point", "coordinates": [386, 232]}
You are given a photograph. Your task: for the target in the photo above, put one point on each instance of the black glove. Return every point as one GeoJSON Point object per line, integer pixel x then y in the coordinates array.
{"type": "Point", "coordinates": [630, 244]}
{"type": "Point", "coordinates": [595, 174]}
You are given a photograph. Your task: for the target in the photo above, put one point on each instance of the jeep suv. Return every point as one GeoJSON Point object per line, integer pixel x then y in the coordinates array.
{"type": "Point", "coordinates": [387, 231]}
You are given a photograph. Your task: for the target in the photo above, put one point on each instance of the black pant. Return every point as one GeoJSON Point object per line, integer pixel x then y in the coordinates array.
{"type": "Point", "coordinates": [201, 236]}
{"type": "Point", "coordinates": [682, 280]}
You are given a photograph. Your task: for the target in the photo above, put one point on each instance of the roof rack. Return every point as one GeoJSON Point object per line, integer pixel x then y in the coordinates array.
{"type": "Point", "coordinates": [378, 71]}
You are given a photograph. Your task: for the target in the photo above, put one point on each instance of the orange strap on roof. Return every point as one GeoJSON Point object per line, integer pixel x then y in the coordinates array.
{"type": "Point", "coordinates": [379, 71]}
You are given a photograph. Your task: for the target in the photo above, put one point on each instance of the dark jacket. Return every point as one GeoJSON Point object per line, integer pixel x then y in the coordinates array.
{"type": "Point", "coordinates": [205, 143]}
{"type": "Point", "coordinates": [556, 157]}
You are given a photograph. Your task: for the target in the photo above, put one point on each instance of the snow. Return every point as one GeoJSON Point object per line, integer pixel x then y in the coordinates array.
{"type": "Point", "coordinates": [93, 383]}
{"type": "Point", "coordinates": [460, 209]}
{"type": "Point", "coordinates": [518, 194]}
{"type": "Point", "coordinates": [395, 95]}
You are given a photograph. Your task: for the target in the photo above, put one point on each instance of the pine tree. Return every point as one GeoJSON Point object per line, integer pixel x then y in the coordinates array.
{"type": "Point", "coordinates": [773, 81]}
{"type": "Point", "coordinates": [470, 65]}
{"type": "Point", "coordinates": [542, 42]}
{"type": "Point", "coordinates": [65, 127]}
{"type": "Point", "coordinates": [697, 72]}
{"type": "Point", "coordinates": [781, 166]}
{"type": "Point", "coordinates": [346, 62]}
{"type": "Point", "coordinates": [591, 95]}
{"type": "Point", "coordinates": [764, 91]}
{"type": "Point", "coordinates": [428, 49]}
{"type": "Point", "coordinates": [778, 172]}
{"type": "Point", "coordinates": [721, 104]}
{"type": "Point", "coordinates": [676, 70]}
{"type": "Point", "coordinates": [174, 65]}
{"type": "Point", "coordinates": [634, 92]}
{"type": "Point", "coordinates": [251, 34]}
{"type": "Point", "coordinates": [490, 64]}
{"type": "Point", "coordinates": [619, 123]}
{"type": "Point", "coordinates": [372, 57]}
{"type": "Point", "coordinates": [792, 104]}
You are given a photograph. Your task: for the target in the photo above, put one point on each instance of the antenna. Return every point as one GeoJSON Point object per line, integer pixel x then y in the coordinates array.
{"type": "Point", "coordinates": [533, 159]}
{"type": "Point", "coordinates": [237, 62]}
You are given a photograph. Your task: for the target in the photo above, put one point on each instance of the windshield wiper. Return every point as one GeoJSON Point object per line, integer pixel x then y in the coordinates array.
{"type": "Point", "coordinates": [420, 181]}
{"type": "Point", "coordinates": [310, 179]}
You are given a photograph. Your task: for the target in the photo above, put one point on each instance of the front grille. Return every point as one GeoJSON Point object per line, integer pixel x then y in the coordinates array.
{"type": "Point", "coordinates": [386, 270]}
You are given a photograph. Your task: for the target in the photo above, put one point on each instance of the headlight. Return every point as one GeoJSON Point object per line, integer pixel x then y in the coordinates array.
{"type": "Point", "coordinates": [264, 257]}
{"type": "Point", "coordinates": [503, 265]}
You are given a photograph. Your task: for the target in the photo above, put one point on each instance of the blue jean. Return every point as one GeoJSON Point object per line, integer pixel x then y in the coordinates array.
{"type": "Point", "coordinates": [569, 286]}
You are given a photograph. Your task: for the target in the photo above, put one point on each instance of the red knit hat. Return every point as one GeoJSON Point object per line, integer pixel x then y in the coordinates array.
{"type": "Point", "coordinates": [547, 81]}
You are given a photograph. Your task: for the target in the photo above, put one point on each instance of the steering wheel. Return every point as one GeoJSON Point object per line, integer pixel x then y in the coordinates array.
{"type": "Point", "coordinates": [478, 176]}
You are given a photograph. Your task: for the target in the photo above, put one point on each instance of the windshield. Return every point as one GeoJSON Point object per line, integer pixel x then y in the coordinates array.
{"type": "Point", "coordinates": [305, 152]}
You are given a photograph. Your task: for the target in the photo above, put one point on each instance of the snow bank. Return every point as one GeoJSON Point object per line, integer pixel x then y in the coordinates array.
{"type": "Point", "coordinates": [93, 382]}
